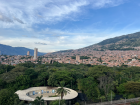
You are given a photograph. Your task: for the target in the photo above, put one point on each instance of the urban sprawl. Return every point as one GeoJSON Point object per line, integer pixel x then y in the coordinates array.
{"type": "Point", "coordinates": [107, 58]}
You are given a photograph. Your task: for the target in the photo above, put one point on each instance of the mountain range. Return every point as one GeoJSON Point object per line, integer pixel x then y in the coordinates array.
{"type": "Point", "coordinates": [8, 50]}
{"type": "Point", "coordinates": [123, 43]}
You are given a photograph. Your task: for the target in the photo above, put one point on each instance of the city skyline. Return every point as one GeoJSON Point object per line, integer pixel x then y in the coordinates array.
{"type": "Point", "coordinates": [66, 24]}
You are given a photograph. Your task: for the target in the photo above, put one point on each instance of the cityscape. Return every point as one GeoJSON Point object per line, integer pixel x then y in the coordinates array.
{"type": "Point", "coordinates": [69, 52]}
{"type": "Point", "coordinates": [106, 58]}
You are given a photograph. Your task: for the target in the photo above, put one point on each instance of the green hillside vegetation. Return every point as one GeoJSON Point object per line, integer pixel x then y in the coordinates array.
{"type": "Point", "coordinates": [125, 42]}
{"type": "Point", "coordinates": [129, 37]}
{"type": "Point", "coordinates": [81, 57]}
{"type": "Point", "coordinates": [89, 79]}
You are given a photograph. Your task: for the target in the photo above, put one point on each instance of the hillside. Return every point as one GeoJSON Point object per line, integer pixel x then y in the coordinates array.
{"type": "Point", "coordinates": [8, 50]}
{"type": "Point", "coordinates": [123, 43]}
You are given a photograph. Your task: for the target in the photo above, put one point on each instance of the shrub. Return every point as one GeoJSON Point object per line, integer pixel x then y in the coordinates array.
{"type": "Point", "coordinates": [131, 96]}
{"type": "Point", "coordinates": [102, 98]}
{"type": "Point", "coordinates": [109, 96]}
{"type": "Point", "coordinates": [77, 103]}
{"type": "Point", "coordinates": [56, 102]}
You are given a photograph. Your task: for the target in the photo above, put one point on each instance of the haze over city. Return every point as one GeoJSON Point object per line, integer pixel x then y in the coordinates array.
{"type": "Point", "coordinates": [52, 25]}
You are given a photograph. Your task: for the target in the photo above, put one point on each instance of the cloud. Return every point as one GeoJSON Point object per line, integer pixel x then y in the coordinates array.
{"type": "Point", "coordinates": [67, 40]}
{"type": "Point", "coordinates": [56, 36]}
{"type": "Point", "coordinates": [18, 20]}
{"type": "Point", "coordinates": [41, 43]}
{"type": "Point", "coordinates": [53, 43]}
{"type": "Point", "coordinates": [30, 12]}
{"type": "Point", "coordinates": [42, 12]}
{"type": "Point", "coordinates": [106, 3]}
{"type": "Point", "coordinates": [21, 17]}
{"type": "Point", "coordinates": [5, 19]}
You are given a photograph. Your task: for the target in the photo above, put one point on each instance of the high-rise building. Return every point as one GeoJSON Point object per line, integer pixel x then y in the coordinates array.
{"type": "Point", "coordinates": [28, 52]}
{"type": "Point", "coordinates": [35, 53]}
{"type": "Point", "coordinates": [77, 58]}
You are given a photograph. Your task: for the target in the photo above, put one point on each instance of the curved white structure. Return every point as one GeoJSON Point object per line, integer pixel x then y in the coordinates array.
{"type": "Point", "coordinates": [31, 93]}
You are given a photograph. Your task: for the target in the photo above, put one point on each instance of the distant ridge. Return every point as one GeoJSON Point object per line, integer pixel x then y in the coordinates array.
{"type": "Point", "coordinates": [8, 50]}
{"type": "Point", "coordinates": [133, 36]}
{"type": "Point", "coordinates": [122, 43]}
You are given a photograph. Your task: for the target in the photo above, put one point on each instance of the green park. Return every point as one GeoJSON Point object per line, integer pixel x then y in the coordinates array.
{"type": "Point", "coordinates": [98, 83]}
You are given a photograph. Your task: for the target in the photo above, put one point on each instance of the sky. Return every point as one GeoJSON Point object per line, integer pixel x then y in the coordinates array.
{"type": "Point", "coordinates": [54, 25]}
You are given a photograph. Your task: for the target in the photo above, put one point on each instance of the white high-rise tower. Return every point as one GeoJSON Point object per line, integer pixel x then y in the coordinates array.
{"type": "Point", "coordinates": [77, 58]}
{"type": "Point", "coordinates": [35, 53]}
{"type": "Point", "coordinates": [28, 53]}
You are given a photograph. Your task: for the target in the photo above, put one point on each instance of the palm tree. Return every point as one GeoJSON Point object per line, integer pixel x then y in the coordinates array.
{"type": "Point", "coordinates": [61, 90]}
{"type": "Point", "coordinates": [38, 101]}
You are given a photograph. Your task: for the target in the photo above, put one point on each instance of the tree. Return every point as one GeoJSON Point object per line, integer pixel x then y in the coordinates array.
{"type": "Point", "coordinates": [27, 64]}
{"type": "Point", "coordinates": [100, 59]}
{"type": "Point", "coordinates": [111, 95]}
{"type": "Point", "coordinates": [7, 97]}
{"type": "Point", "coordinates": [38, 101]}
{"type": "Point", "coordinates": [18, 102]}
{"type": "Point", "coordinates": [61, 90]}
{"type": "Point", "coordinates": [22, 82]}
{"type": "Point", "coordinates": [133, 87]}
{"type": "Point", "coordinates": [5, 68]}
{"type": "Point", "coordinates": [57, 76]}
{"type": "Point", "coordinates": [43, 77]}
{"type": "Point", "coordinates": [89, 87]}
{"type": "Point", "coordinates": [121, 88]}
{"type": "Point", "coordinates": [31, 72]}
{"type": "Point", "coordinates": [98, 71]}
{"type": "Point", "coordinates": [2, 83]}
{"type": "Point", "coordinates": [106, 83]}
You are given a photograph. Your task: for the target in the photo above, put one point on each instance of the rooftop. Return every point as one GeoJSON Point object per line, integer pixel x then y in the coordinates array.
{"type": "Point", "coordinates": [48, 92]}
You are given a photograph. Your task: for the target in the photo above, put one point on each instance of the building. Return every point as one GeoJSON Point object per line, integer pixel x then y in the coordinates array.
{"type": "Point", "coordinates": [35, 53]}
{"type": "Point", "coordinates": [28, 53]}
{"type": "Point", "coordinates": [49, 94]}
{"type": "Point", "coordinates": [77, 58]}
{"type": "Point", "coordinates": [18, 57]}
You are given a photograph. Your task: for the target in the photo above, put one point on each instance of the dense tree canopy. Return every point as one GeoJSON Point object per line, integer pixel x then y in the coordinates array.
{"type": "Point", "coordinates": [96, 82]}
